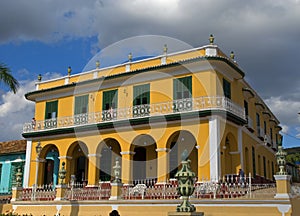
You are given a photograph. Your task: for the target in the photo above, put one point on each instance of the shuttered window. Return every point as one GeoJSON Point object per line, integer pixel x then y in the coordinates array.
{"type": "Point", "coordinates": [182, 88]}
{"type": "Point", "coordinates": [141, 94]}
{"type": "Point", "coordinates": [110, 100]}
{"type": "Point", "coordinates": [51, 110]}
{"type": "Point", "coordinates": [227, 88]}
{"type": "Point", "coordinates": [81, 104]}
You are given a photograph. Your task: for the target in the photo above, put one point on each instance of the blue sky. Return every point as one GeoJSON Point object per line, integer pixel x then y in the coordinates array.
{"type": "Point", "coordinates": [48, 36]}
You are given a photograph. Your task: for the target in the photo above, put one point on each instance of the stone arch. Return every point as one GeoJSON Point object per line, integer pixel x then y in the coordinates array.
{"type": "Point", "coordinates": [49, 165]}
{"type": "Point", "coordinates": [107, 151]}
{"type": "Point", "coordinates": [232, 156]}
{"type": "Point", "coordinates": [77, 155]}
{"type": "Point", "coordinates": [144, 163]}
{"type": "Point", "coordinates": [177, 143]}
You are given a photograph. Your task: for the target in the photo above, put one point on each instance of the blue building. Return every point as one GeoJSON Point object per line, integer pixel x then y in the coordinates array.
{"type": "Point", "coordinates": [12, 157]}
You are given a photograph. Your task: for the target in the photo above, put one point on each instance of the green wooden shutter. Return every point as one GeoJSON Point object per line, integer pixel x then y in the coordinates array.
{"type": "Point", "coordinates": [182, 88]}
{"type": "Point", "coordinates": [81, 104]}
{"type": "Point", "coordinates": [51, 109]}
{"type": "Point", "coordinates": [110, 99]}
{"type": "Point", "coordinates": [141, 94]}
{"type": "Point", "coordinates": [227, 88]}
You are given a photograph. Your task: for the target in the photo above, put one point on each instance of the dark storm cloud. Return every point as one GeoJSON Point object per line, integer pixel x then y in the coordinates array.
{"type": "Point", "coordinates": [264, 34]}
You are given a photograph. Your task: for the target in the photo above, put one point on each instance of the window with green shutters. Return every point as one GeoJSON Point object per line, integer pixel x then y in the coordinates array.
{"type": "Point", "coordinates": [81, 109]}
{"type": "Point", "coordinates": [51, 114]}
{"type": "Point", "coordinates": [182, 94]}
{"type": "Point", "coordinates": [141, 100]}
{"type": "Point", "coordinates": [109, 105]}
{"type": "Point", "coordinates": [51, 110]}
{"type": "Point", "coordinates": [227, 88]}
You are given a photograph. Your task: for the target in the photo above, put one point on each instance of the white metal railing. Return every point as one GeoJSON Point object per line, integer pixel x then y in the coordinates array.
{"type": "Point", "coordinates": [156, 109]}
{"type": "Point", "coordinates": [81, 192]}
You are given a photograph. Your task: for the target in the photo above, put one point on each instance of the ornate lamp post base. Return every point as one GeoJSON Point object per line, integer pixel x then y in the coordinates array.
{"type": "Point", "coordinates": [185, 214]}
{"type": "Point", "coordinates": [185, 206]}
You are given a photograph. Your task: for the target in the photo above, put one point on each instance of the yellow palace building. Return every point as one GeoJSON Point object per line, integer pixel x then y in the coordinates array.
{"type": "Point", "coordinates": [145, 113]}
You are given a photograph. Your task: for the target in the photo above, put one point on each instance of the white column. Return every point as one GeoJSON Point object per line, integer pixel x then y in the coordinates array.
{"type": "Point", "coordinates": [27, 163]}
{"type": "Point", "coordinates": [214, 151]}
{"type": "Point", "coordinates": [240, 146]}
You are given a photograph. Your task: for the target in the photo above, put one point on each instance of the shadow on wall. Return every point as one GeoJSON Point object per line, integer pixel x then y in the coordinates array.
{"type": "Point", "coordinates": [74, 208]}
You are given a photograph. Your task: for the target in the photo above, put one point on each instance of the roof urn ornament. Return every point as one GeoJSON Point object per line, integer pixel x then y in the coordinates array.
{"type": "Point", "coordinates": [130, 57]}
{"type": "Point", "coordinates": [69, 71]}
{"type": "Point", "coordinates": [232, 55]}
{"type": "Point", "coordinates": [39, 77]}
{"type": "Point", "coordinates": [97, 64]}
{"type": "Point", "coordinates": [211, 39]}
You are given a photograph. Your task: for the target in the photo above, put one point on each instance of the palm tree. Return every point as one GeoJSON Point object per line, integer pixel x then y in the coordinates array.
{"type": "Point", "coordinates": [7, 78]}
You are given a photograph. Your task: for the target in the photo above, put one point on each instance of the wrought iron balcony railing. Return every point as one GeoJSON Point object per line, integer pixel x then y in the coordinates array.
{"type": "Point", "coordinates": [176, 106]}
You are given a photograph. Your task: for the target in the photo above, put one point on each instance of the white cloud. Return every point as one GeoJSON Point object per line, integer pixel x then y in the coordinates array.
{"type": "Point", "coordinates": [285, 109]}
{"type": "Point", "coordinates": [15, 110]}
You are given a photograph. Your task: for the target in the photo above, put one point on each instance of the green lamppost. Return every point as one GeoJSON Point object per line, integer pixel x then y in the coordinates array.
{"type": "Point", "coordinates": [281, 159]}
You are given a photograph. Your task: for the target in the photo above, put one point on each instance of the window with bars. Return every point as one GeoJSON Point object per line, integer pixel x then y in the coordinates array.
{"type": "Point", "coordinates": [141, 100]}
{"type": "Point", "coordinates": [226, 88]}
{"type": "Point", "coordinates": [182, 94]}
{"type": "Point", "coordinates": [14, 169]}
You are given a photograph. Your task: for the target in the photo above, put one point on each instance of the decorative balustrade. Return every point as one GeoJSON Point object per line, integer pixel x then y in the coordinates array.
{"type": "Point", "coordinates": [145, 110]}
{"type": "Point", "coordinates": [230, 186]}
{"type": "Point", "coordinates": [41, 193]}
{"type": "Point", "coordinates": [80, 192]}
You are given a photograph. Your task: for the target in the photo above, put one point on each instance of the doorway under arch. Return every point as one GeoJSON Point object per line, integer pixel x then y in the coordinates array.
{"type": "Point", "coordinates": [109, 149]}
{"type": "Point", "coordinates": [78, 151]}
{"type": "Point", "coordinates": [177, 143]}
{"type": "Point", "coordinates": [144, 158]}
{"type": "Point", "coordinates": [50, 166]}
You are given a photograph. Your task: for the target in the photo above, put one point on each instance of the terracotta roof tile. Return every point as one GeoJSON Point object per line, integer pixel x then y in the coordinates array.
{"type": "Point", "coordinates": [14, 146]}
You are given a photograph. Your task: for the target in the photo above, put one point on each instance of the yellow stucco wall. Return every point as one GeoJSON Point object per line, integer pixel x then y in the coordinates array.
{"type": "Point", "coordinates": [157, 208]}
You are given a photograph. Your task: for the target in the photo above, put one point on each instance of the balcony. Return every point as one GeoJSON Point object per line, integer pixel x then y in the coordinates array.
{"type": "Point", "coordinates": [213, 103]}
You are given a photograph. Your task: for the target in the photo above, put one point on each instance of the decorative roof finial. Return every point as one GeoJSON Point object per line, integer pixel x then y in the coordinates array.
{"type": "Point", "coordinates": [165, 49]}
{"type": "Point", "coordinates": [97, 64]}
{"type": "Point", "coordinates": [130, 57]}
{"type": "Point", "coordinates": [232, 55]}
{"type": "Point", "coordinates": [69, 70]}
{"type": "Point", "coordinates": [211, 39]}
{"type": "Point", "coordinates": [39, 77]}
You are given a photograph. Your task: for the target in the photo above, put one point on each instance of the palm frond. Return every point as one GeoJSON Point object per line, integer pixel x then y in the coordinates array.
{"type": "Point", "coordinates": [7, 78]}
